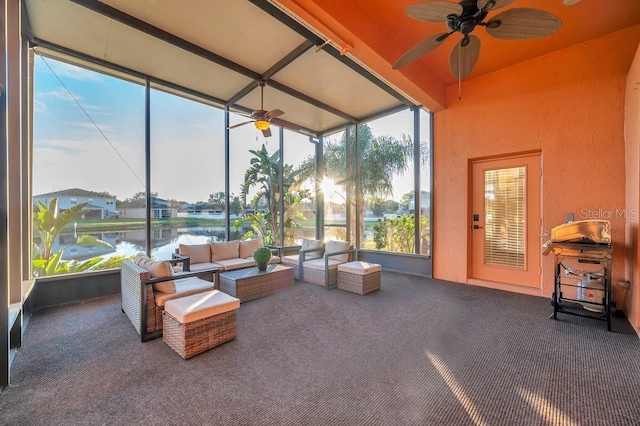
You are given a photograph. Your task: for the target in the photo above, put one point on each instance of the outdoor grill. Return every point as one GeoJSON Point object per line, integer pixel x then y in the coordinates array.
{"type": "Point", "coordinates": [583, 289]}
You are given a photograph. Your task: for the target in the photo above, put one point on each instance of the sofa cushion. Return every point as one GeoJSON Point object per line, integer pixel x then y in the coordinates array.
{"type": "Point", "coordinates": [293, 259]}
{"type": "Point", "coordinates": [311, 244]}
{"type": "Point", "coordinates": [237, 263]}
{"type": "Point", "coordinates": [334, 246]}
{"type": "Point", "coordinates": [247, 247]}
{"type": "Point", "coordinates": [359, 268]}
{"type": "Point", "coordinates": [318, 264]}
{"type": "Point", "coordinates": [184, 287]}
{"type": "Point", "coordinates": [158, 269]}
{"type": "Point", "coordinates": [204, 266]}
{"type": "Point", "coordinates": [225, 250]}
{"type": "Point", "coordinates": [203, 305]}
{"type": "Point", "coordinates": [198, 253]}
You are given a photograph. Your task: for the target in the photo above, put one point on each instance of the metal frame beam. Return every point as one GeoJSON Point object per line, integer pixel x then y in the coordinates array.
{"type": "Point", "coordinates": [309, 35]}
{"type": "Point", "coordinates": [181, 43]}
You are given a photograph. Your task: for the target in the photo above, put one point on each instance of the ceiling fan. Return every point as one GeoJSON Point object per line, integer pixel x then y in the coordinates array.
{"type": "Point", "coordinates": [261, 118]}
{"type": "Point", "coordinates": [464, 17]}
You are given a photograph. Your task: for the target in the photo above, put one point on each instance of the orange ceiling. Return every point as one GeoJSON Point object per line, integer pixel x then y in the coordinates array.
{"type": "Point", "coordinates": [382, 27]}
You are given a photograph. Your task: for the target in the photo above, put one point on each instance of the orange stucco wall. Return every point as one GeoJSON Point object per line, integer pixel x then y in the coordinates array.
{"type": "Point", "coordinates": [632, 154]}
{"type": "Point", "coordinates": [569, 105]}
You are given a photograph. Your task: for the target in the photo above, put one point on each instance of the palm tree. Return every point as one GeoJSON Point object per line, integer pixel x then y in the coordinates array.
{"type": "Point", "coordinates": [264, 173]}
{"type": "Point", "coordinates": [381, 159]}
{"type": "Point", "coordinates": [48, 223]}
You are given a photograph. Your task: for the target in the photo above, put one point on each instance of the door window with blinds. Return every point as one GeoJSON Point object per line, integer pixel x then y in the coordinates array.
{"type": "Point", "coordinates": [505, 221]}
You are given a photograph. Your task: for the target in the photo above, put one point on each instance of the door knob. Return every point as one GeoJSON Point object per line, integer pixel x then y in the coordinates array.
{"type": "Point", "coordinates": [477, 227]}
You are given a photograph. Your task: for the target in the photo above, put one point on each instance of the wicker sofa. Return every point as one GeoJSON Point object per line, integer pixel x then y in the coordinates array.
{"type": "Point", "coordinates": [225, 255]}
{"type": "Point", "coordinates": [146, 285]}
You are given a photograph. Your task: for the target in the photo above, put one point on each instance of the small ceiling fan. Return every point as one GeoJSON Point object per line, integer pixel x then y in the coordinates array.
{"type": "Point", "coordinates": [261, 118]}
{"type": "Point", "coordinates": [464, 17]}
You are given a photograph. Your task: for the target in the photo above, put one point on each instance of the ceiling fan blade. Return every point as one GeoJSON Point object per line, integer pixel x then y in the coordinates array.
{"type": "Point", "coordinates": [463, 58]}
{"type": "Point", "coordinates": [266, 133]}
{"type": "Point", "coordinates": [433, 11]}
{"type": "Point", "coordinates": [239, 124]}
{"type": "Point", "coordinates": [420, 49]}
{"type": "Point", "coordinates": [524, 23]}
{"type": "Point", "coordinates": [497, 4]}
{"type": "Point", "coordinates": [274, 113]}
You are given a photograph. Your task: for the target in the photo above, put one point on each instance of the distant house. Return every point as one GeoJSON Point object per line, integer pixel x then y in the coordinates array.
{"type": "Point", "coordinates": [98, 205]}
{"type": "Point", "coordinates": [137, 209]}
{"type": "Point", "coordinates": [425, 203]}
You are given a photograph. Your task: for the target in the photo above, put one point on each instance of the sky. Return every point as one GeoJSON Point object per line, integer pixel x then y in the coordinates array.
{"type": "Point", "coordinates": [89, 134]}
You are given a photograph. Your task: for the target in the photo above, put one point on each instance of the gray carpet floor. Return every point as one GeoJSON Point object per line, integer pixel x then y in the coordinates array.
{"type": "Point", "coordinates": [417, 352]}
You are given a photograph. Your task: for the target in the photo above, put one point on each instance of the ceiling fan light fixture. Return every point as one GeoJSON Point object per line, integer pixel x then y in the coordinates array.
{"type": "Point", "coordinates": [262, 124]}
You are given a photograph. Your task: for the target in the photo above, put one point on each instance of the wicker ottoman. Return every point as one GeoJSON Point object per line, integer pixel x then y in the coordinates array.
{"type": "Point", "coordinates": [194, 324]}
{"type": "Point", "coordinates": [359, 277]}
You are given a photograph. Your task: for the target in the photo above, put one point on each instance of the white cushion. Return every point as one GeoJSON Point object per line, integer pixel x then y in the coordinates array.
{"type": "Point", "coordinates": [291, 260]}
{"type": "Point", "coordinates": [359, 268]}
{"type": "Point", "coordinates": [310, 244]}
{"type": "Point", "coordinates": [184, 287]}
{"type": "Point", "coordinates": [247, 247]}
{"type": "Point", "coordinates": [198, 253]}
{"type": "Point", "coordinates": [203, 305]}
{"type": "Point", "coordinates": [231, 264]}
{"type": "Point", "coordinates": [335, 246]}
{"type": "Point", "coordinates": [225, 250]}
{"type": "Point", "coordinates": [318, 264]}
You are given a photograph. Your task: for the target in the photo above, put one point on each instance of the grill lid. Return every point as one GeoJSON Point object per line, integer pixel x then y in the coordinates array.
{"type": "Point", "coordinates": [583, 231]}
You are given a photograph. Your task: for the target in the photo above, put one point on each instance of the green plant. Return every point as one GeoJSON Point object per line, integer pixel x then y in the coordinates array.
{"type": "Point", "coordinates": [114, 262]}
{"type": "Point", "coordinates": [47, 224]}
{"type": "Point", "coordinates": [398, 234]}
{"type": "Point", "coordinates": [262, 256]}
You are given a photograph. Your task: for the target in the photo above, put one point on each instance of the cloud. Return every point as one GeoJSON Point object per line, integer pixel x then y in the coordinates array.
{"type": "Point", "coordinates": [39, 106]}
{"type": "Point", "coordinates": [73, 72]}
{"type": "Point", "coordinates": [61, 94]}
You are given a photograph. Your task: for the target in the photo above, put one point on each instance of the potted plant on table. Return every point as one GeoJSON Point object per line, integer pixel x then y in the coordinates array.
{"type": "Point", "coordinates": [262, 256]}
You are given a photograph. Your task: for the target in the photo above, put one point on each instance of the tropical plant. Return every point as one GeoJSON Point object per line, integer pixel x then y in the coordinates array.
{"type": "Point", "coordinates": [381, 159]}
{"type": "Point", "coordinates": [263, 174]}
{"type": "Point", "coordinates": [48, 223]}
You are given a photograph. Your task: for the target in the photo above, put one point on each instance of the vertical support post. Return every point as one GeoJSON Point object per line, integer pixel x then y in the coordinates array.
{"type": "Point", "coordinates": [147, 159]}
{"type": "Point", "coordinates": [348, 171]}
{"type": "Point", "coordinates": [4, 273]}
{"type": "Point", "coordinates": [227, 198]}
{"type": "Point", "coordinates": [319, 160]}
{"type": "Point", "coordinates": [431, 233]}
{"type": "Point", "coordinates": [358, 187]}
{"type": "Point", "coordinates": [417, 162]}
{"type": "Point", "coordinates": [281, 183]}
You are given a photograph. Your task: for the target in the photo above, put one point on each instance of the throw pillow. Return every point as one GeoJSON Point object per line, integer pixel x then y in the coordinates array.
{"type": "Point", "coordinates": [225, 250]}
{"type": "Point", "coordinates": [198, 253]}
{"type": "Point", "coordinates": [247, 247]}
{"type": "Point", "coordinates": [311, 244]}
{"type": "Point", "coordinates": [160, 269]}
{"type": "Point", "coordinates": [335, 246]}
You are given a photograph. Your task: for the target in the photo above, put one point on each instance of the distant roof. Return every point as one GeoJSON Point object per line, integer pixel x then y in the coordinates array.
{"type": "Point", "coordinates": [156, 203]}
{"type": "Point", "coordinates": [75, 192]}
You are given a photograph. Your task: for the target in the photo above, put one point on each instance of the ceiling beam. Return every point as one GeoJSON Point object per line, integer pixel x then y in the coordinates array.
{"type": "Point", "coordinates": [292, 56]}
{"type": "Point", "coordinates": [126, 19]}
{"type": "Point", "coordinates": [174, 40]}
{"type": "Point", "coordinates": [316, 103]}
{"type": "Point", "coordinates": [308, 34]}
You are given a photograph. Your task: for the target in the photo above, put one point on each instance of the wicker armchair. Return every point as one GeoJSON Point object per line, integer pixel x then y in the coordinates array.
{"type": "Point", "coordinates": [324, 271]}
{"type": "Point", "coordinates": [139, 296]}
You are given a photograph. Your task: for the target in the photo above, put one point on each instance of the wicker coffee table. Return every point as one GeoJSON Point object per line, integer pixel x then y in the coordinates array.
{"type": "Point", "coordinates": [249, 283]}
